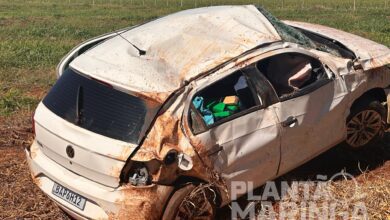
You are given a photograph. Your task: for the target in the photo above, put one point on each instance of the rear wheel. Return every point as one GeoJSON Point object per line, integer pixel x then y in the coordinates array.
{"type": "Point", "coordinates": [366, 123]}
{"type": "Point", "coordinates": [191, 202]}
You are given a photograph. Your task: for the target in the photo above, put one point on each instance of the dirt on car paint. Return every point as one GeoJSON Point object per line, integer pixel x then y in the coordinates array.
{"type": "Point", "coordinates": [139, 202]}
{"type": "Point", "coordinates": [36, 181]}
{"type": "Point", "coordinates": [165, 136]}
{"type": "Point", "coordinates": [153, 99]}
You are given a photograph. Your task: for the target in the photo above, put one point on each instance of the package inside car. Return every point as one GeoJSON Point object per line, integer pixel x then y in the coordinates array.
{"type": "Point", "coordinates": [223, 99]}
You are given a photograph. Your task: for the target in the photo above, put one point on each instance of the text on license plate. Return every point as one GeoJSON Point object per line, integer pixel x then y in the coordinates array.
{"type": "Point", "coordinates": [69, 196]}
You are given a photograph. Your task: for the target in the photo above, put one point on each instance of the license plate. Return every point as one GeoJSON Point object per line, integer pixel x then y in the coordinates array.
{"type": "Point", "coordinates": [69, 196]}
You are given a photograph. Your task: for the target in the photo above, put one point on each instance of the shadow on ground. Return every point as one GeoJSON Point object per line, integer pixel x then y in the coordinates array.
{"type": "Point", "coordinates": [335, 160]}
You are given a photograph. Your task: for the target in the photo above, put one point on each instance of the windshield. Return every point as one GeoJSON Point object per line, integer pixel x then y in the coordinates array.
{"type": "Point", "coordinates": [99, 108]}
{"type": "Point", "coordinates": [293, 35]}
{"type": "Point", "coordinates": [286, 32]}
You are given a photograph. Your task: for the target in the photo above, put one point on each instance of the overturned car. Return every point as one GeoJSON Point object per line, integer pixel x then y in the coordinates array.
{"type": "Point", "coordinates": [156, 121]}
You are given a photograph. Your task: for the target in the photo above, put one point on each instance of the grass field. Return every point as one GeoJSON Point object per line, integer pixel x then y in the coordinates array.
{"type": "Point", "coordinates": [34, 35]}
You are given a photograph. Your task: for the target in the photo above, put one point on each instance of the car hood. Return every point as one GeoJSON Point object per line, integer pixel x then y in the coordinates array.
{"type": "Point", "coordinates": [369, 53]}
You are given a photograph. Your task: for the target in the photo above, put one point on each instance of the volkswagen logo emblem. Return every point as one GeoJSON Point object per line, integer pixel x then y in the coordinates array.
{"type": "Point", "coordinates": [70, 151]}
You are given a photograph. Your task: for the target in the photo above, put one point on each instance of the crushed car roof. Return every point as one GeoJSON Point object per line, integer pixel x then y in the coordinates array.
{"type": "Point", "coordinates": [369, 53]}
{"type": "Point", "coordinates": [159, 56]}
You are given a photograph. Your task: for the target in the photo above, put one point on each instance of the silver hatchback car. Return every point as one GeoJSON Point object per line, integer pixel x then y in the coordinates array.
{"type": "Point", "coordinates": [142, 119]}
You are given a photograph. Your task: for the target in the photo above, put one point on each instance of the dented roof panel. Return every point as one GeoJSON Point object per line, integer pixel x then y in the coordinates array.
{"type": "Point", "coordinates": [370, 54]}
{"type": "Point", "coordinates": [178, 47]}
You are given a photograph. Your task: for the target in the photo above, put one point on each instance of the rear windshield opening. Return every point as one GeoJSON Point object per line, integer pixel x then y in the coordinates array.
{"type": "Point", "coordinates": [99, 108]}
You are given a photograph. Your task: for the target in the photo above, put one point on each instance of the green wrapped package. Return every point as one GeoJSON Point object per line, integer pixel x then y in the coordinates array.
{"type": "Point", "coordinates": [220, 107]}
{"type": "Point", "coordinates": [211, 104]}
{"type": "Point", "coordinates": [222, 114]}
{"type": "Point", "coordinates": [221, 110]}
{"type": "Point", "coordinates": [232, 108]}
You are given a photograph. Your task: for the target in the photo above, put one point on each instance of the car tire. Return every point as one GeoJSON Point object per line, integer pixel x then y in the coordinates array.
{"type": "Point", "coordinates": [365, 123]}
{"type": "Point", "coordinates": [191, 202]}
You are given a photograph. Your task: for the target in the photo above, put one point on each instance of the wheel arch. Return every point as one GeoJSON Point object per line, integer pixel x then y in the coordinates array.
{"type": "Point", "coordinates": [377, 93]}
{"type": "Point", "coordinates": [182, 181]}
{"type": "Point", "coordinates": [371, 100]}
{"type": "Point", "coordinates": [189, 181]}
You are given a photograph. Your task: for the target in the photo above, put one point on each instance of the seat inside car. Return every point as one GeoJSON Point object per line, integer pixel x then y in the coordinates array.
{"type": "Point", "coordinates": [287, 72]}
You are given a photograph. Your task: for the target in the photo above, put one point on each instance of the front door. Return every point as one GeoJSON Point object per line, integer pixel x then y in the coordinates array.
{"type": "Point", "coordinates": [311, 110]}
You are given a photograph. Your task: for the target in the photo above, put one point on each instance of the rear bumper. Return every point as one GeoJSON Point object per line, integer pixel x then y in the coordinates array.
{"type": "Point", "coordinates": [126, 202]}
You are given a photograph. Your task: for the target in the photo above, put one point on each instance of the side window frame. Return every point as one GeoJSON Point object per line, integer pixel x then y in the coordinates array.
{"type": "Point", "coordinates": [262, 85]}
{"type": "Point", "coordinates": [246, 72]}
{"type": "Point", "coordinates": [309, 88]}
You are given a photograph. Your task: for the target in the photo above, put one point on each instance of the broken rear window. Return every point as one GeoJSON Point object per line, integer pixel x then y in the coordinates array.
{"type": "Point", "coordinates": [98, 108]}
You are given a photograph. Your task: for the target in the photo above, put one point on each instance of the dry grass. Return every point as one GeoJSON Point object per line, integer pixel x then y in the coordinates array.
{"type": "Point", "coordinates": [342, 198]}
{"type": "Point", "coordinates": [19, 197]}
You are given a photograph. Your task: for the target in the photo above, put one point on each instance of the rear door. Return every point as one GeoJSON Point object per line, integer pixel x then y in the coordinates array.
{"type": "Point", "coordinates": [312, 106]}
{"type": "Point", "coordinates": [246, 145]}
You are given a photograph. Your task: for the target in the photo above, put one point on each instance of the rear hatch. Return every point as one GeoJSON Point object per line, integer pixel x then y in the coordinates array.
{"type": "Point", "coordinates": [369, 54]}
{"type": "Point", "coordinates": [101, 125]}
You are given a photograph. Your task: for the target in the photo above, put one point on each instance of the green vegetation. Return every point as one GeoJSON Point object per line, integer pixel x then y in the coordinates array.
{"type": "Point", "coordinates": [34, 35]}
{"type": "Point", "coordinates": [13, 100]}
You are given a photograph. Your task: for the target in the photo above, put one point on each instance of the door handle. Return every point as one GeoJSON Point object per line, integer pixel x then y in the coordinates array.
{"type": "Point", "coordinates": [289, 121]}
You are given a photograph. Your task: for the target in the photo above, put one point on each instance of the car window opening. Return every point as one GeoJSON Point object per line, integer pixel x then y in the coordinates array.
{"type": "Point", "coordinates": [221, 100]}
{"type": "Point", "coordinates": [291, 72]}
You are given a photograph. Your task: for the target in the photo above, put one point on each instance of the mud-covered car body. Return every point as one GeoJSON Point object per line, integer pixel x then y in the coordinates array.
{"type": "Point", "coordinates": [120, 128]}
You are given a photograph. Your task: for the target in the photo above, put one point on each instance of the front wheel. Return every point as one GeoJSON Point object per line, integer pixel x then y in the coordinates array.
{"type": "Point", "coordinates": [365, 124]}
{"type": "Point", "coordinates": [191, 202]}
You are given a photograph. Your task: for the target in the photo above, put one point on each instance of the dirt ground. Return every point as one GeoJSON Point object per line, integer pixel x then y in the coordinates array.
{"type": "Point", "coordinates": [21, 199]}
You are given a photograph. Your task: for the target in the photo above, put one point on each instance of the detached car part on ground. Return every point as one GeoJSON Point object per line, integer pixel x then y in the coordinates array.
{"type": "Point", "coordinates": [157, 120]}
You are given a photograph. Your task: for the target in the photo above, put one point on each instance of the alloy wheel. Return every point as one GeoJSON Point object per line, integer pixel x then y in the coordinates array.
{"type": "Point", "coordinates": [363, 127]}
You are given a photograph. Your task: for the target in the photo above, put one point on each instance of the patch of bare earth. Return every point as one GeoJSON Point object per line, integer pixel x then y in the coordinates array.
{"type": "Point", "coordinates": [19, 197]}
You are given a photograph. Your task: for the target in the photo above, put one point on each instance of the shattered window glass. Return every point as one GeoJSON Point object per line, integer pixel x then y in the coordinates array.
{"type": "Point", "coordinates": [287, 33]}
{"type": "Point", "coordinates": [293, 35]}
